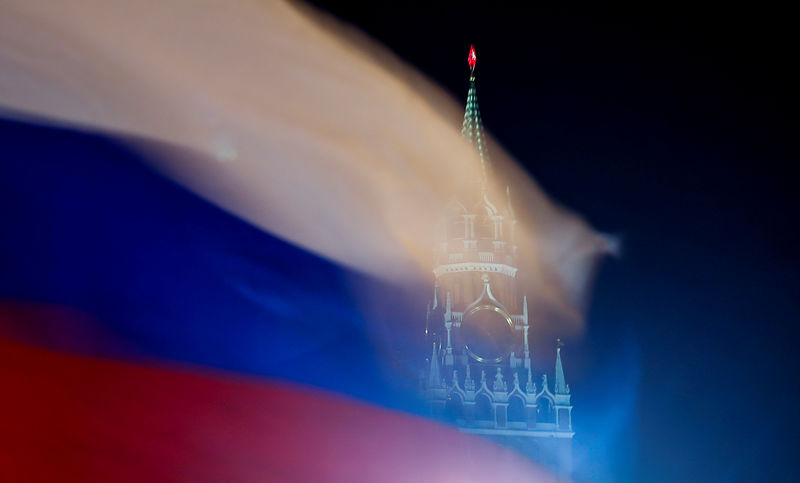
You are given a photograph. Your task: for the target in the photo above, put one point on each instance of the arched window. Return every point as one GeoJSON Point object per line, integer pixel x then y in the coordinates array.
{"type": "Point", "coordinates": [544, 411]}
{"type": "Point", "coordinates": [486, 228]}
{"type": "Point", "coordinates": [516, 409]}
{"type": "Point", "coordinates": [454, 407]}
{"type": "Point", "coordinates": [483, 408]}
{"type": "Point", "coordinates": [455, 228]}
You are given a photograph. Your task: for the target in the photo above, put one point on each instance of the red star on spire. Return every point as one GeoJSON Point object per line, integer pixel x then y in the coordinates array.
{"type": "Point", "coordinates": [472, 59]}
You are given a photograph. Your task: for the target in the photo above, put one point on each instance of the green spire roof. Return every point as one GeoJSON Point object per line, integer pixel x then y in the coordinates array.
{"type": "Point", "coordinates": [472, 129]}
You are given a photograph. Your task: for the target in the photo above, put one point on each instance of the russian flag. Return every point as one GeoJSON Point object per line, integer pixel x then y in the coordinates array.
{"type": "Point", "coordinates": [146, 334]}
{"type": "Point", "coordinates": [211, 263]}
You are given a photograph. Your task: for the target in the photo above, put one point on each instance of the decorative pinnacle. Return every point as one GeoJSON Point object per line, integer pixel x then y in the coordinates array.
{"type": "Point", "coordinates": [530, 386]}
{"type": "Point", "coordinates": [499, 383]}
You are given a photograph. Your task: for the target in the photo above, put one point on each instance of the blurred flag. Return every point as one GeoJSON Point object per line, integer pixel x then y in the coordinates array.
{"type": "Point", "coordinates": [192, 191]}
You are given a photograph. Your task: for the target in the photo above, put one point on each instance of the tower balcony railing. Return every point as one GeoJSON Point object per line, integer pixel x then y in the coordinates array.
{"type": "Point", "coordinates": [455, 257]}
{"type": "Point", "coordinates": [486, 254]}
{"type": "Point", "coordinates": [483, 257]}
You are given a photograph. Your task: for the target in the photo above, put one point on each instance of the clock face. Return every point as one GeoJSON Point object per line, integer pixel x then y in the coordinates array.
{"type": "Point", "coordinates": [488, 333]}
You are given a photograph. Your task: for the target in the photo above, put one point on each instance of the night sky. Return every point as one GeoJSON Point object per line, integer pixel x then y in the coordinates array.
{"type": "Point", "coordinates": [670, 127]}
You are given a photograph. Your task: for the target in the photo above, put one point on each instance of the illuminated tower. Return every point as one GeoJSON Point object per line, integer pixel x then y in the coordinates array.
{"type": "Point", "coordinates": [479, 375]}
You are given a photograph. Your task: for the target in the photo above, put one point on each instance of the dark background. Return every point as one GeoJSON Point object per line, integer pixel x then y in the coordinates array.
{"type": "Point", "coordinates": [673, 127]}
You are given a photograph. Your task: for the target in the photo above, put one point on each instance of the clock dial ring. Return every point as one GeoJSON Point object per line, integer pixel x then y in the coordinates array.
{"type": "Point", "coordinates": [488, 333]}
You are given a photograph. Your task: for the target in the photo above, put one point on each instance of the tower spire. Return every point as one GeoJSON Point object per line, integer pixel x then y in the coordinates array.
{"type": "Point", "coordinates": [561, 383]}
{"type": "Point", "coordinates": [472, 127]}
{"type": "Point", "coordinates": [434, 378]}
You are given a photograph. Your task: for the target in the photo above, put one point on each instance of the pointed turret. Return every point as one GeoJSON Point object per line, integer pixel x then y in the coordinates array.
{"type": "Point", "coordinates": [434, 377]}
{"type": "Point", "coordinates": [472, 128]}
{"type": "Point", "coordinates": [525, 309]}
{"type": "Point", "coordinates": [561, 383]}
{"type": "Point", "coordinates": [530, 386]}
